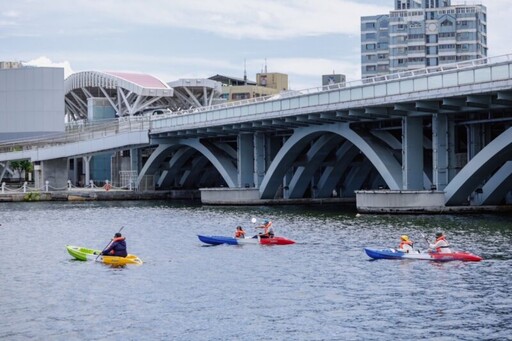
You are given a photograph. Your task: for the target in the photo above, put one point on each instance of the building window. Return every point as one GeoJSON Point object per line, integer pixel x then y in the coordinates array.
{"type": "Point", "coordinates": [447, 58]}
{"type": "Point", "coordinates": [447, 46]}
{"type": "Point", "coordinates": [240, 96]}
{"type": "Point", "coordinates": [416, 60]}
{"type": "Point", "coordinates": [416, 36]}
{"type": "Point", "coordinates": [370, 46]}
{"type": "Point", "coordinates": [447, 35]}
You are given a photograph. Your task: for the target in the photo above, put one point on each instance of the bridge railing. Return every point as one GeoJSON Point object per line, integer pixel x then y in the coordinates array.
{"type": "Point", "coordinates": [87, 130]}
{"type": "Point", "coordinates": [79, 131]}
{"type": "Point", "coordinates": [367, 81]}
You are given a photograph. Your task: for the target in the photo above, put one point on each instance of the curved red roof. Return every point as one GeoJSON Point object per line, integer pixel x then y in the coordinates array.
{"type": "Point", "coordinates": [143, 80]}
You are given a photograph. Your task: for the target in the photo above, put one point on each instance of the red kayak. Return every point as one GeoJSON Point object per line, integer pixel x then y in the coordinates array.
{"type": "Point", "coordinates": [276, 241]}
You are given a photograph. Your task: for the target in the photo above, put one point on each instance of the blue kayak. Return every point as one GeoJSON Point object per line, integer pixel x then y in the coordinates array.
{"type": "Point", "coordinates": [422, 255]}
{"type": "Point", "coordinates": [217, 240]}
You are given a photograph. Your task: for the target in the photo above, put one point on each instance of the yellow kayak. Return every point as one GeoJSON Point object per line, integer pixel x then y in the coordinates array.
{"type": "Point", "coordinates": [85, 254]}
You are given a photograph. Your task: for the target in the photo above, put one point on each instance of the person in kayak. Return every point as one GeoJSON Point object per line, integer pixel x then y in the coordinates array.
{"type": "Point", "coordinates": [441, 245]}
{"type": "Point", "coordinates": [117, 247]}
{"type": "Point", "coordinates": [268, 230]}
{"type": "Point", "coordinates": [239, 233]}
{"type": "Point", "coordinates": [406, 245]}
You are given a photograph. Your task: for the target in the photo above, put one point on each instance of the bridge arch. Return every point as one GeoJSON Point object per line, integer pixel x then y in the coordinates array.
{"type": "Point", "coordinates": [221, 162]}
{"type": "Point", "coordinates": [317, 153]}
{"type": "Point", "coordinates": [493, 156]}
{"type": "Point", "coordinates": [381, 157]}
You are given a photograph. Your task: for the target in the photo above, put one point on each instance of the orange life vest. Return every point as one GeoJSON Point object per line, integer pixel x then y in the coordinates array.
{"type": "Point", "coordinates": [438, 249]}
{"type": "Point", "coordinates": [404, 242]}
{"type": "Point", "coordinates": [239, 234]}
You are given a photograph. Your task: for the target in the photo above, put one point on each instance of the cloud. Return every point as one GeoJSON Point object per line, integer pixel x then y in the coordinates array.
{"type": "Point", "coordinates": [264, 19]}
{"type": "Point", "coordinates": [46, 62]}
{"type": "Point", "coordinates": [237, 19]}
{"type": "Point", "coordinates": [498, 27]}
{"type": "Point", "coordinates": [137, 35]}
{"type": "Point", "coordinates": [10, 14]}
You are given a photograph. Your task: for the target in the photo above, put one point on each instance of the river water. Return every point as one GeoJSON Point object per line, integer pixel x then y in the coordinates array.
{"type": "Point", "coordinates": [324, 287]}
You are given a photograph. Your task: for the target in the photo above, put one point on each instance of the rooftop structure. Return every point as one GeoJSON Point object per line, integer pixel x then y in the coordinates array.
{"type": "Point", "coordinates": [267, 83]}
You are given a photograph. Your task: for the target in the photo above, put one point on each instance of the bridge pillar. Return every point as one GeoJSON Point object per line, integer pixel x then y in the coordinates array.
{"type": "Point", "coordinates": [245, 157]}
{"type": "Point", "coordinates": [259, 159]}
{"type": "Point", "coordinates": [475, 140]}
{"type": "Point", "coordinates": [443, 153]}
{"type": "Point", "coordinates": [74, 173]}
{"type": "Point", "coordinates": [87, 169]}
{"type": "Point", "coordinates": [412, 153]}
{"type": "Point", "coordinates": [54, 171]}
{"type": "Point", "coordinates": [135, 162]}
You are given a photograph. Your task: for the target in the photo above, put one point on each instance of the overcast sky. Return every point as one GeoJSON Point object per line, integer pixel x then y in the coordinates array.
{"type": "Point", "coordinates": [174, 39]}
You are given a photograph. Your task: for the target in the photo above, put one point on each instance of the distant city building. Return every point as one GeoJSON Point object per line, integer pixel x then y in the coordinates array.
{"type": "Point", "coordinates": [333, 79]}
{"type": "Point", "coordinates": [236, 89]}
{"type": "Point", "coordinates": [31, 102]}
{"type": "Point", "coordinates": [422, 33]}
{"type": "Point", "coordinates": [10, 65]}
{"type": "Point", "coordinates": [273, 80]}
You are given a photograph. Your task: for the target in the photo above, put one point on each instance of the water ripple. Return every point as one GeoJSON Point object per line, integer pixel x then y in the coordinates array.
{"type": "Point", "coordinates": [322, 288]}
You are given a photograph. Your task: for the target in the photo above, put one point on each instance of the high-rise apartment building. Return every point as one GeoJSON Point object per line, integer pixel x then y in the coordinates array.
{"type": "Point", "coordinates": [422, 33]}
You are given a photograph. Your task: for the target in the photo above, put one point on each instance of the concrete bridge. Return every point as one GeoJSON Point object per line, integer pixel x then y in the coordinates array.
{"type": "Point", "coordinates": [433, 137]}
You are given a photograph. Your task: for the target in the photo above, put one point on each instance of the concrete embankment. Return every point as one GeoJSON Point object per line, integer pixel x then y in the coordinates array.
{"type": "Point", "coordinates": [99, 195]}
{"type": "Point", "coordinates": [234, 199]}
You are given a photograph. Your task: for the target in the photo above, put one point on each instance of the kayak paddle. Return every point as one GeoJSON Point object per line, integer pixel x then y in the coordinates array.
{"type": "Point", "coordinates": [424, 237]}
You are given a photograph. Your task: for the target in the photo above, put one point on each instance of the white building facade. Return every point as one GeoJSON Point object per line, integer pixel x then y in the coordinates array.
{"type": "Point", "coordinates": [422, 33]}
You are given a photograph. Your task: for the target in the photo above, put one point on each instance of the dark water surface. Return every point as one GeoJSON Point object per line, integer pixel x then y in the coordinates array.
{"type": "Point", "coordinates": [322, 288]}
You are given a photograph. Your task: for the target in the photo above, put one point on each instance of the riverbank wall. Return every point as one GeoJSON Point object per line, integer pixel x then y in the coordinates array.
{"type": "Point", "coordinates": [99, 195]}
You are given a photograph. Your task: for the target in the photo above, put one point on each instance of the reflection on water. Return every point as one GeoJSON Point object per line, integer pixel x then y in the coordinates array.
{"type": "Point", "coordinates": [322, 288]}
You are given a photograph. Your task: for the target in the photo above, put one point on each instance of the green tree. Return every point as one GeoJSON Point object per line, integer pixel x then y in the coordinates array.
{"type": "Point", "coordinates": [22, 165]}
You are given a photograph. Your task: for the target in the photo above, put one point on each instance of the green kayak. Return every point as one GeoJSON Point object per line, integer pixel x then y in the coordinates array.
{"type": "Point", "coordinates": [85, 254]}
